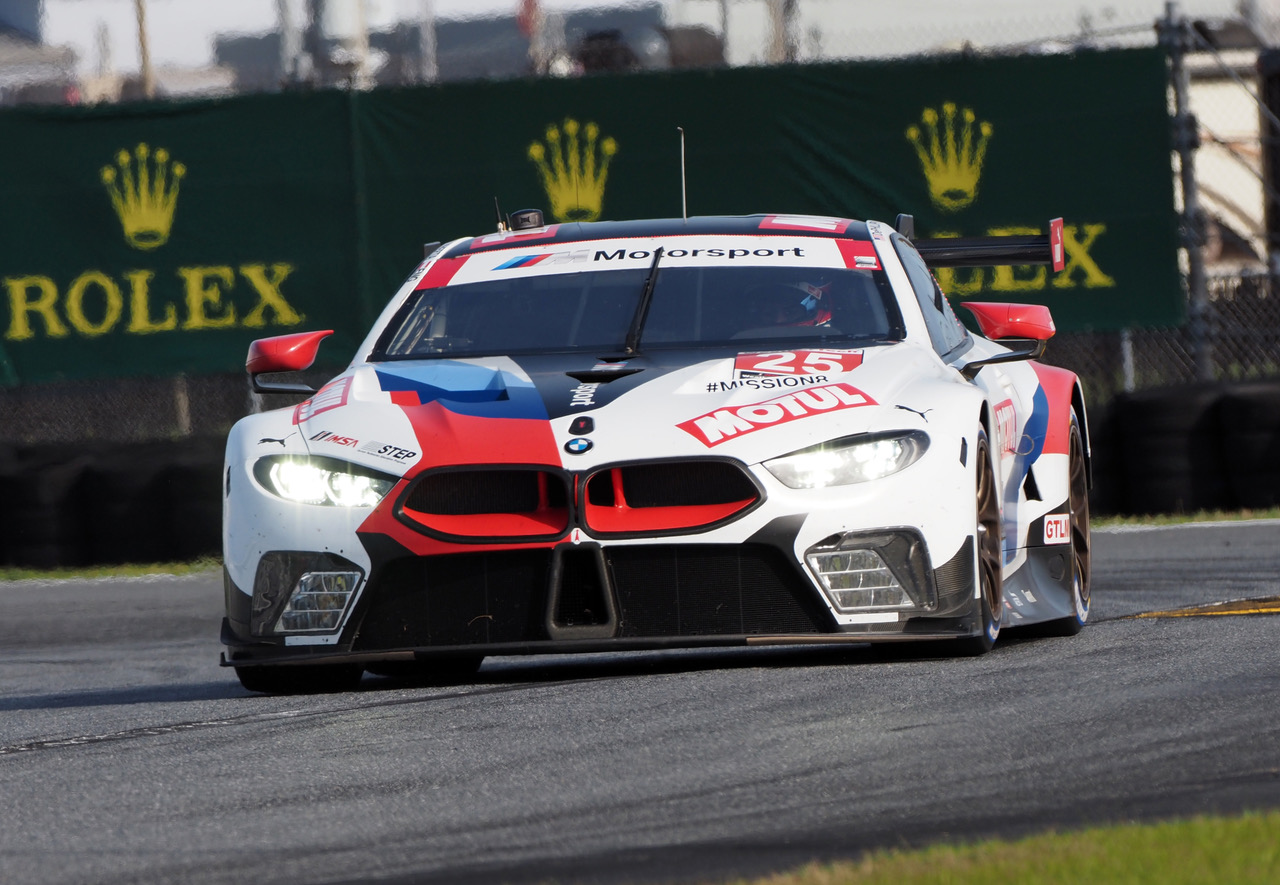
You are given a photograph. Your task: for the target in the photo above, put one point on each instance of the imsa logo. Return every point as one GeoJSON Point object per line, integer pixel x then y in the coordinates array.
{"type": "Point", "coordinates": [722, 425]}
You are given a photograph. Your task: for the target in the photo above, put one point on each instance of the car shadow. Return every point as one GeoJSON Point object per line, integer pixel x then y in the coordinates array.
{"type": "Point", "coordinates": [498, 671]}
{"type": "Point", "coordinates": [121, 697]}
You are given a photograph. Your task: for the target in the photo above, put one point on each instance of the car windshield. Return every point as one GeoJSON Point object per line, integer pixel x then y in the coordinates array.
{"type": "Point", "coordinates": [594, 310]}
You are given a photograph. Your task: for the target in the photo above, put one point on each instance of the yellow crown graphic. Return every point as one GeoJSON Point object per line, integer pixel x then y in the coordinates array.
{"type": "Point", "coordinates": [952, 165]}
{"type": "Point", "coordinates": [144, 192]}
{"type": "Point", "coordinates": [574, 179]}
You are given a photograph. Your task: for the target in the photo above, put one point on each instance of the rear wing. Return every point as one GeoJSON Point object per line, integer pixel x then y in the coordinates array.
{"type": "Point", "coordinates": [988, 251]}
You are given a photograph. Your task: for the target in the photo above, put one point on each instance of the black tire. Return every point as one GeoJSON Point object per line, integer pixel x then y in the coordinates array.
{"type": "Point", "coordinates": [301, 678]}
{"type": "Point", "coordinates": [125, 486]}
{"type": "Point", "coordinates": [1170, 449]}
{"type": "Point", "coordinates": [1081, 540]}
{"type": "Point", "coordinates": [990, 557]}
{"type": "Point", "coordinates": [1251, 434]}
{"type": "Point", "coordinates": [43, 521]}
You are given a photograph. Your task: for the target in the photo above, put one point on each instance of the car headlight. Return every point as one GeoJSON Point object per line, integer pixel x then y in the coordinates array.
{"type": "Point", "coordinates": [848, 460]}
{"type": "Point", "coordinates": [325, 481]}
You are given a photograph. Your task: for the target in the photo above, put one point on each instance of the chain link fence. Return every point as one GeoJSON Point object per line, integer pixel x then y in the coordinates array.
{"type": "Point", "coordinates": [1242, 339]}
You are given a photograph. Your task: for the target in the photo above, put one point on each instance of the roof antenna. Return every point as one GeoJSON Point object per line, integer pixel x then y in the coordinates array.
{"type": "Point", "coordinates": [684, 195]}
{"type": "Point", "coordinates": [502, 224]}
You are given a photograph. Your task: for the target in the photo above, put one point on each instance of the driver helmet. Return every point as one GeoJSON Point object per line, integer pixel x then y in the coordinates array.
{"type": "Point", "coordinates": [795, 303]}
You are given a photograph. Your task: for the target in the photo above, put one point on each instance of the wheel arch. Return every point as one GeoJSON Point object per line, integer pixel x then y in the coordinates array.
{"type": "Point", "coordinates": [1064, 392]}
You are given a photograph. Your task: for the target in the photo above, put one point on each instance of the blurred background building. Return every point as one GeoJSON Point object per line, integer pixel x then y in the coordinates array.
{"type": "Point", "coordinates": [89, 51]}
{"type": "Point", "coordinates": [82, 52]}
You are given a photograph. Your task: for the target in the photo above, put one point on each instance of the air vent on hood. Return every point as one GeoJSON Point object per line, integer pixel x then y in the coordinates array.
{"type": "Point", "coordinates": [600, 376]}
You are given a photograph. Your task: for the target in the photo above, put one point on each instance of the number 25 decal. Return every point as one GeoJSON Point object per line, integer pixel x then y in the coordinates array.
{"type": "Point", "coordinates": [798, 362]}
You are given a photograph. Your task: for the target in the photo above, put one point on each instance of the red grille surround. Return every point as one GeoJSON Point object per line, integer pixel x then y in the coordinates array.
{"type": "Point", "coordinates": [666, 497]}
{"type": "Point", "coordinates": [484, 503]}
{"type": "Point", "coordinates": [522, 503]}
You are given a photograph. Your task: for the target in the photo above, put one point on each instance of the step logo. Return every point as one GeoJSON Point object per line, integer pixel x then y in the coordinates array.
{"type": "Point", "coordinates": [573, 165]}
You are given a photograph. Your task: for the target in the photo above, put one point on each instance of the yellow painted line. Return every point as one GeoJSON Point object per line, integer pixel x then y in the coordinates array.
{"type": "Point", "coordinates": [1266, 606]}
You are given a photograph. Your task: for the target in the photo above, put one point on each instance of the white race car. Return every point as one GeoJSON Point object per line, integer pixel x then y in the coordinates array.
{"type": "Point", "coordinates": [672, 433]}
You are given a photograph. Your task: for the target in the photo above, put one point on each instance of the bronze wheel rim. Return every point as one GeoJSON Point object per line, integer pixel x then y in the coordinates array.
{"type": "Point", "coordinates": [990, 556]}
{"type": "Point", "coordinates": [1078, 502]}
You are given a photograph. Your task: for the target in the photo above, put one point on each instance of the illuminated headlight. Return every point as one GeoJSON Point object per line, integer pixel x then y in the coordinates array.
{"type": "Point", "coordinates": [852, 459]}
{"type": "Point", "coordinates": [322, 481]}
{"type": "Point", "coordinates": [873, 572]}
{"type": "Point", "coordinates": [317, 602]}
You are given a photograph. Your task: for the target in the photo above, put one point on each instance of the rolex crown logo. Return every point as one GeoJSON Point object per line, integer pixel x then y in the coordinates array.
{"type": "Point", "coordinates": [144, 192]}
{"type": "Point", "coordinates": [951, 160]}
{"type": "Point", "coordinates": [574, 173]}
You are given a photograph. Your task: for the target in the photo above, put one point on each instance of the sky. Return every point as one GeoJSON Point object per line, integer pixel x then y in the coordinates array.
{"type": "Point", "coordinates": [181, 31]}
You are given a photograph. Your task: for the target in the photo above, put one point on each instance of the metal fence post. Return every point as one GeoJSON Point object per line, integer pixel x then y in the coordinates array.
{"type": "Point", "coordinates": [1128, 379]}
{"type": "Point", "coordinates": [1175, 36]}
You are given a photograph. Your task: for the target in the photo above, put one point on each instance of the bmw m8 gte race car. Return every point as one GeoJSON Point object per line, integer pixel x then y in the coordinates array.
{"type": "Point", "coordinates": [652, 434]}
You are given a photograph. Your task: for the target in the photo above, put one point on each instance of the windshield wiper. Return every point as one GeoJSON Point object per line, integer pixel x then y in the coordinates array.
{"type": "Point", "coordinates": [642, 309]}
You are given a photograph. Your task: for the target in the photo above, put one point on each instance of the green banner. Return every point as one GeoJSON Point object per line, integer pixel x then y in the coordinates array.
{"type": "Point", "coordinates": [157, 239]}
{"type": "Point", "coordinates": [161, 239]}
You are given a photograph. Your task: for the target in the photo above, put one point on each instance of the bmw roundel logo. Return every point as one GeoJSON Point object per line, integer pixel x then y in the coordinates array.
{"type": "Point", "coordinates": [578, 445]}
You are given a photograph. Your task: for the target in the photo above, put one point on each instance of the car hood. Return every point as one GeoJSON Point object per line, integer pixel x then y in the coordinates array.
{"type": "Point", "coordinates": [578, 411]}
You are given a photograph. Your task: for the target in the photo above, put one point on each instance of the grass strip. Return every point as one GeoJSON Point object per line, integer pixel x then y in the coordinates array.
{"type": "Point", "coordinates": [1244, 849]}
{"type": "Point", "coordinates": [1183, 518]}
{"type": "Point", "coordinates": [67, 573]}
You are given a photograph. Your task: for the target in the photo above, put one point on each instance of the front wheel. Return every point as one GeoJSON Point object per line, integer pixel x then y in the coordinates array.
{"type": "Point", "coordinates": [1081, 542]}
{"type": "Point", "coordinates": [990, 556]}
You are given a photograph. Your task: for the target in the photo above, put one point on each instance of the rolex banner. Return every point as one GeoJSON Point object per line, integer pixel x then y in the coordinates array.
{"type": "Point", "coordinates": [161, 239]}
{"type": "Point", "coordinates": [158, 239]}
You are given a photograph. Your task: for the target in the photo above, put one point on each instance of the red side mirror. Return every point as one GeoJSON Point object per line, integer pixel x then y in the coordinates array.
{"type": "Point", "coordinates": [284, 353]}
{"type": "Point", "coordinates": [998, 320]}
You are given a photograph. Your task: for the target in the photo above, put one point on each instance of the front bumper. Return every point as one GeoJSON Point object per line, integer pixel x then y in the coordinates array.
{"type": "Point", "coordinates": [585, 598]}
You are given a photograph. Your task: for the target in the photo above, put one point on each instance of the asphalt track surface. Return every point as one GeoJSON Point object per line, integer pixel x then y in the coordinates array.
{"type": "Point", "coordinates": [127, 755]}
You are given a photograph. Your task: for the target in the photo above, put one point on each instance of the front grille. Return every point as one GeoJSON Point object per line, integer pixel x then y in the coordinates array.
{"type": "Point", "coordinates": [463, 599]}
{"type": "Point", "coordinates": [667, 496]}
{"type": "Point", "coordinates": [657, 591]}
{"type": "Point", "coordinates": [489, 503]}
{"type": "Point", "coordinates": [713, 590]}
{"type": "Point", "coordinates": [472, 492]}
{"type": "Point", "coordinates": [673, 484]}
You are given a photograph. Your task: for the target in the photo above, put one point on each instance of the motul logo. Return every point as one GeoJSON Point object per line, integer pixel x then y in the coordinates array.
{"type": "Point", "coordinates": [724, 424]}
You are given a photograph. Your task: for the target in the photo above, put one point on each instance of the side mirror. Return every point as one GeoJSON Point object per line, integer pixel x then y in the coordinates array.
{"type": "Point", "coordinates": [283, 353]}
{"type": "Point", "coordinates": [1024, 328]}
{"type": "Point", "coordinates": [998, 320]}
